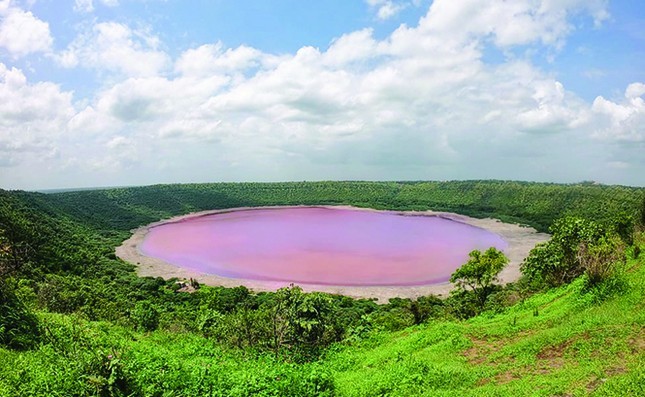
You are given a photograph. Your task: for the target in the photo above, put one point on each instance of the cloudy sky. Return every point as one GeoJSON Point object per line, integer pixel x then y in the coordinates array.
{"type": "Point", "coordinates": [132, 92]}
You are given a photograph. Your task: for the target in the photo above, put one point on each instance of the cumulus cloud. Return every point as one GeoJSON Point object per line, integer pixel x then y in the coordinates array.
{"type": "Point", "coordinates": [416, 104]}
{"type": "Point", "coordinates": [412, 97]}
{"type": "Point", "coordinates": [84, 6]}
{"type": "Point", "coordinates": [386, 9]}
{"type": "Point", "coordinates": [22, 33]}
{"type": "Point", "coordinates": [115, 47]}
{"type": "Point", "coordinates": [623, 120]}
{"type": "Point", "coordinates": [388, 97]}
{"type": "Point", "coordinates": [511, 23]}
{"type": "Point", "coordinates": [215, 59]}
{"type": "Point", "coordinates": [554, 109]}
{"type": "Point", "coordinates": [358, 46]}
{"type": "Point", "coordinates": [32, 118]}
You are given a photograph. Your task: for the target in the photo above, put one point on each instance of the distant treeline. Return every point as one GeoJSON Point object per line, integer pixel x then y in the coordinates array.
{"type": "Point", "coordinates": [534, 204]}
{"type": "Point", "coordinates": [77, 231]}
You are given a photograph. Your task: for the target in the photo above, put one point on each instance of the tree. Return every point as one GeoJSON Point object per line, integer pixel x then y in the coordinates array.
{"type": "Point", "coordinates": [15, 250]}
{"type": "Point", "coordinates": [601, 258]}
{"type": "Point", "coordinates": [642, 213]}
{"type": "Point", "coordinates": [145, 316]}
{"type": "Point", "coordinates": [479, 274]}
{"type": "Point", "coordinates": [19, 327]}
{"type": "Point", "coordinates": [425, 307]}
{"type": "Point", "coordinates": [623, 225]}
{"type": "Point", "coordinates": [301, 321]}
{"type": "Point", "coordinates": [557, 261]}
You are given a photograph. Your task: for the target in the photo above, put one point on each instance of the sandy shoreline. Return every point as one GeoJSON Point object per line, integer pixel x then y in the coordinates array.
{"type": "Point", "coordinates": [520, 241]}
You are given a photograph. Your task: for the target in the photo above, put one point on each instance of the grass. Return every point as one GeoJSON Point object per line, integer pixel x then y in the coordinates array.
{"type": "Point", "coordinates": [572, 347]}
{"type": "Point", "coordinates": [563, 342]}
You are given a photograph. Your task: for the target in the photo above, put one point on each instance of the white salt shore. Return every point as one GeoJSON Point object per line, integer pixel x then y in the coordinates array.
{"type": "Point", "coordinates": [520, 241]}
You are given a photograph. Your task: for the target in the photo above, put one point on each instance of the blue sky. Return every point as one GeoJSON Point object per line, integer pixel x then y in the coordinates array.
{"type": "Point", "coordinates": [130, 92]}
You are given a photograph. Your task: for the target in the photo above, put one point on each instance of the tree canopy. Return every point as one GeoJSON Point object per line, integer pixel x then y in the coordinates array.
{"type": "Point", "coordinates": [480, 272]}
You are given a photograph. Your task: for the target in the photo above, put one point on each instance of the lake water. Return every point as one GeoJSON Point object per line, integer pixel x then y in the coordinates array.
{"type": "Point", "coordinates": [326, 246]}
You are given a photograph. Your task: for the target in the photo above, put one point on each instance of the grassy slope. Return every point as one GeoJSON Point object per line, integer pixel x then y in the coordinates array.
{"type": "Point", "coordinates": [88, 355]}
{"type": "Point", "coordinates": [572, 347]}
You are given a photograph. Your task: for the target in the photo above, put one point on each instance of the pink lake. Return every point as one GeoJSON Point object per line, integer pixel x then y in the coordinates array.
{"type": "Point", "coordinates": [323, 246]}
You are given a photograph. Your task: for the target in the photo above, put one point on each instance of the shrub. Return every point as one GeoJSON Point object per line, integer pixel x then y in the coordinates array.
{"type": "Point", "coordinates": [145, 316]}
{"type": "Point", "coordinates": [462, 303]}
{"type": "Point", "coordinates": [557, 261]}
{"type": "Point", "coordinates": [61, 294]}
{"type": "Point", "coordinates": [623, 225]}
{"type": "Point", "coordinates": [614, 285]}
{"type": "Point", "coordinates": [19, 328]}
{"type": "Point", "coordinates": [426, 307]}
{"type": "Point", "coordinates": [394, 319]}
{"type": "Point", "coordinates": [600, 259]}
{"type": "Point", "coordinates": [499, 300]}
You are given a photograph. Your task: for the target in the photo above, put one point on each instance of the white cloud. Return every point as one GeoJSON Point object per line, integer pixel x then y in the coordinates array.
{"type": "Point", "coordinates": [88, 5]}
{"type": "Point", "coordinates": [511, 23]}
{"type": "Point", "coordinates": [420, 103]}
{"type": "Point", "coordinates": [214, 59]}
{"type": "Point", "coordinates": [351, 47]}
{"type": "Point", "coordinates": [118, 142]}
{"type": "Point", "coordinates": [386, 9]}
{"type": "Point", "coordinates": [24, 102]}
{"type": "Point", "coordinates": [413, 97]}
{"type": "Point", "coordinates": [622, 121]}
{"type": "Point", "coordinates": [554, 109]}
{"type": "Point", "coordinates": [32, 117]}
{"type": "Point", "coordinates": [115, 47]}
{"type": "Point", "coordinates": [90, 122]}
{"type": "Point", "coordinates": [634, 91]}
{"type": "Point", "coordinates": [84, 6]}
{"type": "Point", "coordinates": [22, 33]}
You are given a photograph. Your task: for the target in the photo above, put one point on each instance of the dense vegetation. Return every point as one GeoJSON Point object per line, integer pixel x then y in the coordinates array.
{"type": "Point", "coordinates": [74, 320]}
{"type": "Point", "coordinates": [536, 204]}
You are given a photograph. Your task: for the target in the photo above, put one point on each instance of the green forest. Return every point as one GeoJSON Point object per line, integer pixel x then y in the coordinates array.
{"type": "Point", "coordinates": [77, 321]}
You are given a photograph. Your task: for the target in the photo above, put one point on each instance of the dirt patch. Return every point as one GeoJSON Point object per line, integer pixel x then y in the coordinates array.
{"type": "Point", "coordinates": [500, 379]}
{"type": "Point", "coordinates": [481, 351]}
{"type": "Point", "coordinates": [505, 377]}
{"type": "Point", "coordinates": [609, 372]}
{"type": "Point", "coordinates": [520, 241]}
{"type": "Point", "coordinates": [637, 342]}
{"type": "Point", "coordinates": [485, 349]}
{"type": "Point", "coordinates": [553, 352]}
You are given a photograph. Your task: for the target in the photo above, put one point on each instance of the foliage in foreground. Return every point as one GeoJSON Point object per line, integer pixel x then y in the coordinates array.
{"type": "Point", "coordinates": [554, 343]}
{"type": "Point", "coordinates": [577, 246]}
{"type": "Point", "coordinates": [478, 275]}
{"type": "Point", "coordinates": [18, 326]}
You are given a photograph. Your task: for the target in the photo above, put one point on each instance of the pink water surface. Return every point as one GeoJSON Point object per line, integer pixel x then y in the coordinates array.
{"type": "Point", "coordinates": [320, 246]}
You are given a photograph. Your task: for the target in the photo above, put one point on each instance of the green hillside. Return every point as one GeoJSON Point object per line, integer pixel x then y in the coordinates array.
{"type": "Point", "coordinates": [76, 321]}
{"type": "Point", "coordinates": [572, 347]}
{"type": "Point", "coordinates": [536, 204]}
{"type": "Point", "coordinates": [555, 343]}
